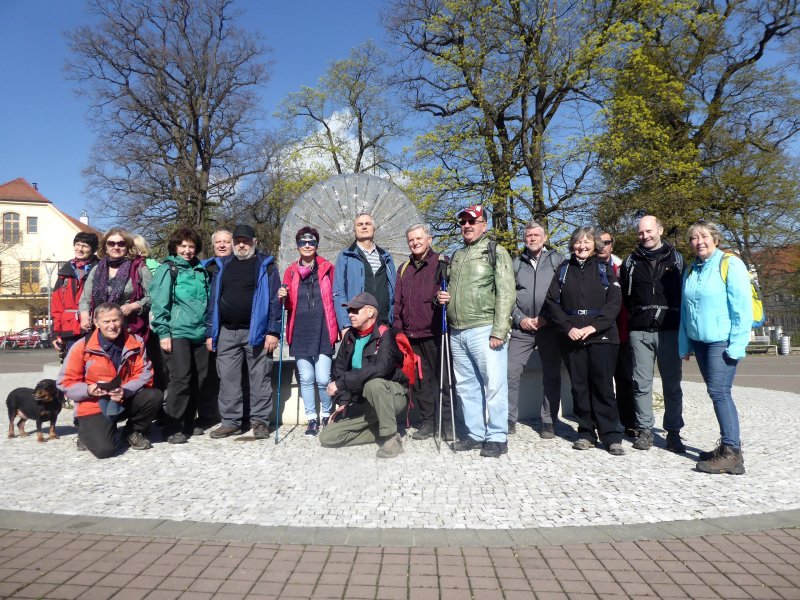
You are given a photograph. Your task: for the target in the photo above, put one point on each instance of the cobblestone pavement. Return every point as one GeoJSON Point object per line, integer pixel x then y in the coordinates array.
{"type": "Point", "coordinates": [235, 518]}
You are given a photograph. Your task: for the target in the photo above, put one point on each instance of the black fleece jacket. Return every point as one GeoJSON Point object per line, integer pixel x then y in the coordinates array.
{"type": "Point", "coordinates": [381, 359]}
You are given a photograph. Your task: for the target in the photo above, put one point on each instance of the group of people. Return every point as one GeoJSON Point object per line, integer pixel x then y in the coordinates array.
{"type": "Point", "coordinates": [209, 329]}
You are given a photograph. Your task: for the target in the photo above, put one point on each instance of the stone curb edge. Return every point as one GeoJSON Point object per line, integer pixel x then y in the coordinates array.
{"type": "Point", "coordinates": [335, 536]}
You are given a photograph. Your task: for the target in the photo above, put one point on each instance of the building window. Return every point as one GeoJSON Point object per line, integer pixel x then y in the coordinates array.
{"type": "Point", "coordinates": [11, 228]}
{"type": "Point", "coordinates": [29, 277]}
{"type": "Point", "coordinates": [33, 225]}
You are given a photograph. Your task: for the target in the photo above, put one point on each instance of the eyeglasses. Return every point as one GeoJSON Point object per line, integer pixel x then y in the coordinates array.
{"type": "Point", "coordinates": [607, 242]}
{"type": "Point", "coordinates": [302, 243]}
{"type": "Point", "coordinates": [470, 222]}
{"type": "Point", "coordinates": [111, 244]}
{"type": "Point", "coordinates": [81, 246]}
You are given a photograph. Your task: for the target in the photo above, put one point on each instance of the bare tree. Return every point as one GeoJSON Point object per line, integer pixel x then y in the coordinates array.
{"type": "Point", "coordinates": [173, 87]}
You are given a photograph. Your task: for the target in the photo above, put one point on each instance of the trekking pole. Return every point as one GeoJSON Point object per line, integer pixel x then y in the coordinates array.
{"type": "Point", "coordinates": [280, 370]}
{"type": "Point", "coordinates": [445, 360]}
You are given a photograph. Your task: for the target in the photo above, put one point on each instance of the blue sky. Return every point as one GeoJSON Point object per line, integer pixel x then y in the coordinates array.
{"type": "Point", "coordinates": [44, 134]}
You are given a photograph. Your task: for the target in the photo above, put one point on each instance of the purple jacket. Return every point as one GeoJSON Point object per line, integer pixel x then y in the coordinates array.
{"type": "Point", "coordinates": [415, 313]}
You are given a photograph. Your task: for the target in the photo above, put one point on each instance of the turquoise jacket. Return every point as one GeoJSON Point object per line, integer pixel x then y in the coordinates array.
{"type": "Point", "coordinates": [713, 311]}
{"type": "Point", "coordinates": [179, 308]}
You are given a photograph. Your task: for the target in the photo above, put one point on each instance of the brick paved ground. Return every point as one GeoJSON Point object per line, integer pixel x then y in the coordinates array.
{"type": "Point", "coordinates": [764, 564]}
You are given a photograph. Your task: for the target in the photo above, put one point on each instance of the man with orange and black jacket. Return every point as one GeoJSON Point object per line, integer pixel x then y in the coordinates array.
{"type": "Point", "coordinates": [109, 377]}
{"type": "Point", "coordinates": [67, 292]}
{"type": "Point", "coordinates": [367, 383]}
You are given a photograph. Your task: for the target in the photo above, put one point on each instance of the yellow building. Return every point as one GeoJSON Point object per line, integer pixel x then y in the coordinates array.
{"type": "Point", "coordinates": [35, 238]}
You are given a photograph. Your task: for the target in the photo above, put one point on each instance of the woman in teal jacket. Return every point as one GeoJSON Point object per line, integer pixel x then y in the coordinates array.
{"type": "Point", "coordinates": [716, 317]}
{"type": "Point", "coordinates": [179, 295]}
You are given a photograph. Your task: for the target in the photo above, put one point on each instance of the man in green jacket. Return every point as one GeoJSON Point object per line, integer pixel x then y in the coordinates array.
{"type": "Point", "coordinates": [479, 303]}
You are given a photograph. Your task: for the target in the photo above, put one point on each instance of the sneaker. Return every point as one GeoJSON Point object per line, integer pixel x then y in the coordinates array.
{"type": "Point", "coordinates": [582, 444]}
{"type": "Point", "coordinates": [729, 460]}
{"type": "Point", "coordinates": [711, 453]}
{"type": "Point", "coordinates": [424, 432]}
{"type": "Point", "coordinates": [548, 432]}
{"type": "Point", "coordinates": [392, 447]}
{"type": "Point", "coordinates": [494, 449]}
{"type": "Point", "coordinates": [137, 441]}
{"type": "Point", "coordinates": [261, 431]}
{"type": "Point", "coordinates": [312, 430]}
{"type": "Point", "coordinates": [468, 444]}
{"type": "Point", "coordinates": [177, 438]}
{"type": "Point", "coordinates": [644, 441]}
{"type": "Point", "coordinates": [80, 445]}
{"type": "Point", "coordinates": [674, 443]}
{"type": "Point", "coordinates": [325, 421]}
{"type": "Point", "coordinates": [616, 449]}
{"type": "Point", "coordinates": [222, 432]}
{"type": "Point", "coordinates": [512, 427]}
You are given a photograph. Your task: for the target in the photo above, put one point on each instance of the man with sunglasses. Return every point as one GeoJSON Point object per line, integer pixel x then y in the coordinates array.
{"type": "Point", "coordinates": [479, 303]}
{"type": "Point", "coordinates": [243, 323]}
{"type": "Point", "coordinates": [533, 271]}
{"type": "Point", "coordinates": [364, 267]}
{"type": "Point", "coordinates": [367, 384]}
{"type": "Point", "coordinates": [651, 280]}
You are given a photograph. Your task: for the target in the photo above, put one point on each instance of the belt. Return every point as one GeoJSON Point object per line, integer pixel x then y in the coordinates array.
{"type": "Point", "coordinates": [584, 311]}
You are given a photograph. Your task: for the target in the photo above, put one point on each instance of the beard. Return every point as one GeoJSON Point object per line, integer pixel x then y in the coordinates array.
{"type": "Point", "coordinates": [251, 252]}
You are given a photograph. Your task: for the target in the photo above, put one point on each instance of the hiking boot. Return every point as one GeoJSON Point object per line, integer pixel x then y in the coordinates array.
{"type": "Point", "coordinates": [261, 430]}
{"type": "Point", "coordinates": [729, 460]}
{"type": "Point", "coordinates": [424, 432]}
{"type": "Point", "coordinates": [548, 432]}
{"type": "Point", "coordinates": [631, 432]}
{"type": "Point", "coordinates": [137, 441]}
{"type": "Point", "coordinates": [312, 429]}
{"type": "Point", "coordinates": [674, 443]}
{"type": "Point", "coordinates": [223, 432]}
{"type": "Point", "coordinates": [391, 448]}
{"type": "Point", "coordinates": [468, 444]}
{"type": "Point", "coordinates": [80, 445]}
{"type": "Point", "coordinates": [582, 444]}
{"type": "Point", "coordinates": [711, 453]}
{"type": "Point", "coordinates": [177, 438]}
{"type": "Point", "coordinates": [616, 449]}
{"type": "Point", "coordinates": [325, 421]}
{"type": "Point", "coordinates": [494, 449]}
{"type": "Point", "coordinates": [644, 441]}
{"type": "Point", "coordinates": [447, 432]}
{"type": "Point", "coordinates": [197, 430]}
{"type": "Point", "coordinates": [512, 427]}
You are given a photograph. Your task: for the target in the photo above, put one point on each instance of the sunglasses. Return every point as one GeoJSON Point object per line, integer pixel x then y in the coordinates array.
{"type": "Point", "coordinates": [470, 222]}
{"type": "Point", "coordinates": [111, 244]}
{"type": "Point", "coordinates": [352, 311]}
{"type": "Point", "coordinates": [607, 242]}
{"type": "Point", "coordinates": [302, 243]}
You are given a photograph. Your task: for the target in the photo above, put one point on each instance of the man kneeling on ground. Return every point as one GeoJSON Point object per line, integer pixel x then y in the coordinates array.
{"type": "Point", "coordinates": [109, 377]}
{"type": "Point", "coordinates": [367, 383]}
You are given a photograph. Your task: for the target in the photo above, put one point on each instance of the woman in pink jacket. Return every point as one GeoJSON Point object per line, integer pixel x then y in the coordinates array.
{"type": "Point", "coordinates": [311, 328]}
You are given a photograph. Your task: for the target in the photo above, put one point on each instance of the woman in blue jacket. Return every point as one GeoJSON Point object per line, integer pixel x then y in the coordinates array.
{"type": "Point", "coordinates": [716, 317]}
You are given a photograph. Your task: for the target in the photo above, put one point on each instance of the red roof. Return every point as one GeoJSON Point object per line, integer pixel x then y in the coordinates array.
{"type": "Point", "coordinates": [19, 190]}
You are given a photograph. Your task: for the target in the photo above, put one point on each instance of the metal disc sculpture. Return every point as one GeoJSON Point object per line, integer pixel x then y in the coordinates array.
{"type": "Point", "coordinates": [332, 205]}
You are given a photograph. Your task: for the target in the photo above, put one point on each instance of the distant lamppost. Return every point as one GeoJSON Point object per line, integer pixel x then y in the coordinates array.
{"type": "Point", "coordinates": [49, 266]}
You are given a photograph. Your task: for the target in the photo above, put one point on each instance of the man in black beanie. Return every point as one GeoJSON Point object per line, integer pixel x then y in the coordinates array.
{"type": "Point", "coordinates": [67, 291]}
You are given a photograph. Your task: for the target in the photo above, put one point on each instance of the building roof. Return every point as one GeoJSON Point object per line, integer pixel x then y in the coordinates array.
{"type": "Point", "coordinates": [19, 190]}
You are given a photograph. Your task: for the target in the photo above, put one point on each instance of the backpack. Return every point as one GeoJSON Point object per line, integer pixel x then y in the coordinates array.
{"type": "Point", "coordinates": [412, 364]}
{"type": "Point", "coordinates": [757, 303]}
{"type": "Point", "coordinates": [602, 270]}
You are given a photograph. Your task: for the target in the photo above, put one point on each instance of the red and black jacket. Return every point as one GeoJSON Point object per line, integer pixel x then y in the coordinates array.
{"type": "Point", "coordinates": [66, 295]}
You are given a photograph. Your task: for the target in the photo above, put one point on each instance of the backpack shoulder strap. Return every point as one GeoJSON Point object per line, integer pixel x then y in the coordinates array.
{"type": "Point", "coordinates": [724, 264]}
{"type": "Point", "coordinates": [562, 273]}
{"type": "Point", "coordinates": [602, 269]}
{"type": "Point", "coordinates": [403, 268]}
{"type": "Point", "coordinates": [492, 250]}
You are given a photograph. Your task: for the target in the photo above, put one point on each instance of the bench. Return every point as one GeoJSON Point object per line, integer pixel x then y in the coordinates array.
{"type": "Point", "coordinates": [761, 348]}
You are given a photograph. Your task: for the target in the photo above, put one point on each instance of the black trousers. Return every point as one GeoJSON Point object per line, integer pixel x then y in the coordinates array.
{"type": "Point", "coordinates": [623, 384]}
{"type": "Point", "coordinates": [187, 367]}
{"type": "Point", "coordinates": [425, 392]}
{"type": "Point", "coordinates": [591, 370]}
{"type": "Point", "coordinates": [98, 433]}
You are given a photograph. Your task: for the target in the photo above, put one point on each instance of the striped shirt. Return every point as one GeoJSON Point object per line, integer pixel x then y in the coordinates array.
{"type": "Point", "coordinates": [373, 257]}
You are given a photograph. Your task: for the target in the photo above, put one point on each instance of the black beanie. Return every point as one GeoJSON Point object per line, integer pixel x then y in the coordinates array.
{"type": "Point", "coordinates": [90, 239]}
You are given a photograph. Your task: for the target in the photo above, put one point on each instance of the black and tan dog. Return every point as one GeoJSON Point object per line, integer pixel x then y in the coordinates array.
{"type": "Point", "coordinates": [40, 404]}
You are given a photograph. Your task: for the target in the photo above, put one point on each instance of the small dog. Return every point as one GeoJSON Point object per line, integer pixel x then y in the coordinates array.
{"type": "Point", "coordinates": [42, 404]}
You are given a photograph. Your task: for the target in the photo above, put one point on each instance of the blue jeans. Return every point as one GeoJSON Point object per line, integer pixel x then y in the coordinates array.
{"type": "Point", "coordinates": [311, 370]}
{"type": "Point", "coordinates": [718, 371]}
{"type": "Point", "coordinates": [481, 383]}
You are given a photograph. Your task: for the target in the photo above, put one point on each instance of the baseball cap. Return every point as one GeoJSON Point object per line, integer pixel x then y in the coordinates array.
{"type": "Point", "coordinates": [362, 299]}
{"type": "Point", "coordinates": [475, 212]}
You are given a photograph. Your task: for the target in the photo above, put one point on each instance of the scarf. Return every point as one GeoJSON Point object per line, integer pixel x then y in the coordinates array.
{"type": "Point", "coordinates": [305, 271]}
{"type": "Point", "coordinates": [105, 290]}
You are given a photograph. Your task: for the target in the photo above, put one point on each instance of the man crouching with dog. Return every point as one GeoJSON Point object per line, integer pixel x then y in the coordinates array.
{"type": "Point", "coordinates": [109, 377]}
{"type": "Point", "coordinates": [367, 383]}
